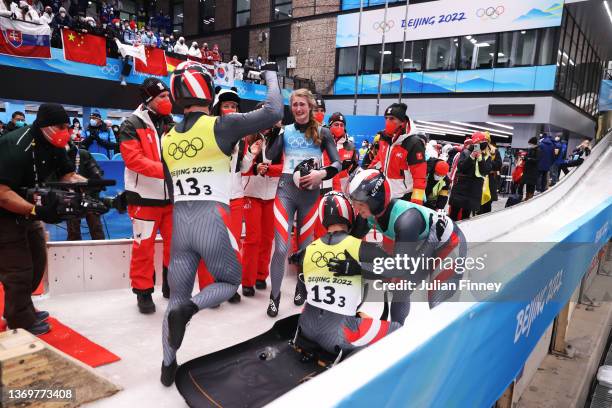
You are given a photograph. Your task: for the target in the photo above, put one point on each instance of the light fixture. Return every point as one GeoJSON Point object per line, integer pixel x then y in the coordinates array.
{"type": "Point", "coordinates": [441, 56]}
{"type": "Point", "coordinates": [481, 127]}
{"type": "Point", "coordinates": [500, 54]}
{"type": "Point", "coordinates": [473, 41]}
{"type": "Point", "coordinates": [500, 125]}
{"type": "Point", "coordinates": [386, 52]}
{"type": "Point", "coordinates": [406, 60]}
{"type": "Point", "coordinates": [440, 125]}
{"type": "Point", "coordinates": [482, 45]}
{"type": "Point", "coordinates": [469, 37]}
{"type": "Point", "coordinates": [432, 129]}
{"type": "Point", "coordinates": [607, 6]}
{"type": "Point", "coordinates": [523, 32]}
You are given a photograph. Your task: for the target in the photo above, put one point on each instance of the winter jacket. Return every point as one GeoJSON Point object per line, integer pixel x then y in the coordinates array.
{"type": "Point", "coordinates": [530, 172]}
{"type": "Point", "coordinates": [402, 160]}
{"type": "Point", "coordinates": [100, 139]}
{"type": "Point", "coordinates": [436, 192]}
{"type": "Point", "coordinates": [496, 165]}
{"type": "Point", "coordinates": [467, 189]}
{"type": "Point", "coordinates": [129, 37]}
{"type": "Point", "coordinates": [241, 161]}
{"type": "Point", "coordinates": [140, 136]}
{"type": "Point", "coordinates": [181, 48]}
{"type": "Point", "coordinates": [348, 158]}
{"type": "Point", "coordinates": [264, 187]}
{"type": "Point", "coordinates": [547, 153]}
{"type": "Point", "coordinates": [562, 146]}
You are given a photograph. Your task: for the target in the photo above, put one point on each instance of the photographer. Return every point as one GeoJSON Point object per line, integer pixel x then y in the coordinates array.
{"type": "Point", "coordinates": [86, 166]}
{"type": "Point", "coordinates": [28, 156]}
{"type": "Point", "coordinates": [99, 138]}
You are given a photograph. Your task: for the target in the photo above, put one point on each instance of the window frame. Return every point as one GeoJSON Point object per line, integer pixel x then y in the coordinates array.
{"type": "Point", "coordinates": [274, 4]}
{"type": "Point", "coordinates": [236, 13]}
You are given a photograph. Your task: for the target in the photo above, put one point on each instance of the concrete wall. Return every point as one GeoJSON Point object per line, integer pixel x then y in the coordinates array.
{"type": "Point", "coordinates": [260, 11]}
{"type": "Point", "coordinates": [191, 15]}
{"type": "Point", "coordinates": [224, 14]}
{"type": "Point", "coordinates": [303, 8]}
{"type": "Point", "coordinates": [313, 43]}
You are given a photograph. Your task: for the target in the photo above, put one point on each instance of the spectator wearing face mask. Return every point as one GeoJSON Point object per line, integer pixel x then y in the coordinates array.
{"type": "Point", "coordinates": [530, 171]}
{"type": "Point", "coordinates": [87, 25]}
{"type": "Point", "coordinates": [547, 158]}
{"type": "Point", "coordinates": [438, 184]}
{"type": "Point", "coordinates": [129, 36]}
{"type": "Point", "coordinates": [180, 47]}
{"type": "Point", "coordinates": [47, 16]}
{"type": "Point", "coordinates": [27, 13]}
{"type": "Point", "coordinates": [194, 51]}
{"type": "Point", "coordinates": [75, 131]}
{"type": "Point", "coordinates": [17, 121]}
{"type": "Point", "coordinates": [60, 20]}
{"type": "Point", "coordinates": [149, 39]}
{"type": "Point", "coordinates": [99, 138]}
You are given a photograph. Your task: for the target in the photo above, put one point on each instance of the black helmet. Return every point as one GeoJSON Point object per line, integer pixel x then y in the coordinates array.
{"type": "Point", "coordinates": [371, 187]}
{"type": "Point", "coordinates": [335, 208]}
{"type": "Point", "coordinates": [192, 84]}
{"type": "Point", "coordinates": [303, 169]}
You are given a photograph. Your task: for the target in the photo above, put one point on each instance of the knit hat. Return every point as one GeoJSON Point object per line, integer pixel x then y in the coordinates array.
{"type": "Point", "coordinates": [441, 168]}
{"type": "Point", "coordinates": [320, 102]}
{"type": "Point", "coordinates": [337, 117]}
{"type": "Point", "coordinates": [397, 110]}
{"type": "Point", "coordinates": [225, 95]}
{"type": "Point", "coordinates": [150, 88]}
{"type": "Point", "coordinates": [51, 114]}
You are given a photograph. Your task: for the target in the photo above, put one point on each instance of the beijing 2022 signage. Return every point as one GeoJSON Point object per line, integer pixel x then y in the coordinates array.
{"type": "Point", "coordinates": [447, 18]}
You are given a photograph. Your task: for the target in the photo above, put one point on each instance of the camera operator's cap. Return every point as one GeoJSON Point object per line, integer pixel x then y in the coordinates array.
{"type": "Point", "coordinates": [151, 87]}
{"type": "Point", "coordinates": [51, 114]}
{"type": "Point", "coordinates": [95, 114]}
{"type": "Point", "coordinates": [397, 110]}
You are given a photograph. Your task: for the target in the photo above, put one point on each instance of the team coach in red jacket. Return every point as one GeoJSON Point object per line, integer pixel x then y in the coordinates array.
{"type": "Point", "coordinates": [149, 203]}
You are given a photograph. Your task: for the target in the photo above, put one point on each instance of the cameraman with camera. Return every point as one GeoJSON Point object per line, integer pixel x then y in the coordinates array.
{"type": "Point", "coordinates": [28, 156]}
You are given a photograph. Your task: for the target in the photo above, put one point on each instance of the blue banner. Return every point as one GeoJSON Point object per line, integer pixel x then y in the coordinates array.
{"type": "Point", "coordinates": [540, 78]}
{"type": "Point", "coordinates": [605, 96]}
{"type": "Point", "coordinates": [473, 360]}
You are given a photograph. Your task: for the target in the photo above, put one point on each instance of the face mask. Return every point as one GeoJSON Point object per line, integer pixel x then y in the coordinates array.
{"type": "Point", "coordinates": [337, 132]}
{"type": "Point", "coordinates": [58, 138]}
{"type": "Point", "coordinates": [77, 126]}
{"type": "Point", "coordinates": [391, 128]}
{"type": "Point", "coordinates": [437, 178]}
{"type": "Point", "coordinates": [63, 14]}
{"type": "Point", "coordinates": [164, 107]}
{"type": "Point", "coordinates": [93, 122]}
{"type": "Point", "coordinates": [557, 139]}
{"type": "Point", "coordinates": [227, 111]}
{"type": "Point", "coordinates": [20, 123]}
{"type": "Point", "coordinates": [319, 116]}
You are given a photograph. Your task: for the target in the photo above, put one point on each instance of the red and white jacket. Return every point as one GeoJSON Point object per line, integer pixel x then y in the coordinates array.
{"type": "Point", "coordinates": [140, 149]}
{"type": "Point", "coordinates": [241, 161]}
{"type": "Point", "coordinates": [346, 151]}
{"type": "Point", "coordinates": [263, 187]}
{"type": "Point", "coordinates": [402, 160]}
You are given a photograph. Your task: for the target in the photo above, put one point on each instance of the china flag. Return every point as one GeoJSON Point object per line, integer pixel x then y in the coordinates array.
{"type": "Point", "coordinates": [156, 62]}
{"type": "Point", "coordinates": [85, 48]}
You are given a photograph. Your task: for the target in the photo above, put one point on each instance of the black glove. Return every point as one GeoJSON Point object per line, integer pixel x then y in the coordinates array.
{"type": "Point", "coordinates": [345, 267]}
{"type": "Point", "coordinates": [440, 221]}
{"type": "Point", "coordinates": [48, 212]}
{"type": "Point", "coordinates": [269, 66]}
{"type": "Point", "coordinates": [294, 258]}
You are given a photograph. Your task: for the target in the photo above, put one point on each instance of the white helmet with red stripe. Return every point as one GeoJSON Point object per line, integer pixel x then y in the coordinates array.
{"type": "Point", "coordinates": [192, 84]}
{"type": "Point", "coordinates": [335, 208]}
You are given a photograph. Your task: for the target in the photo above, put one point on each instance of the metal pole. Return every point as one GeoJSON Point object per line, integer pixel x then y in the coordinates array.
{"type": "Point", "coordinates": [403, 53]}
{"type": "Point", "coordinates": [357, 63]}
{"type": "Point", "coordinates": [382, 57]}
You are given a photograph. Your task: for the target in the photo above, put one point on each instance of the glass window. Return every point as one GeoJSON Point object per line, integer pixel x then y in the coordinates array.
{"type": "Point", "coordinates": [546, 41]}
{"type": "Point", "coordinates": [477, 51]}
{"type": "Point", "coordinates": [353, 4]}
{"type": "Point", "coordinates": [177, 18]}
{"type": "Point", "coordinates": [207, 16]}
{"type": "Point", "coordinates": [243, 12]}
{"type": "Point", "coordinates": [347, 59]}
{"type": "Point", "coordinates": [413, 58]}
{"type": "Point", "coordinates": [441, 54]}
{"type": "Point", "coordinates": [516, 49]}
{"type": "Point", "coordinates": [282, 9]}
{"type": "Point", "coordinates": [372, 58]}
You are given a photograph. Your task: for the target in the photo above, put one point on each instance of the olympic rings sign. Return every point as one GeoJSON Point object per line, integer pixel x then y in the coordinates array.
{"type": "Point", "coordinates": [110, 69]}
{"type": "Point", "coordinates": [185, 148]}
{"type": "Point", "coordinates": [490, 12]}
{"type": "Point", "coordinates": [321, 259]}
{"type": "Point", "coordinates": [383, 26]}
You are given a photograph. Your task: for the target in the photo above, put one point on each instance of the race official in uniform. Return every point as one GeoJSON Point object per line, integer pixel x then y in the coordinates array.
{"type": "Point", "coordinates": [28, 156]}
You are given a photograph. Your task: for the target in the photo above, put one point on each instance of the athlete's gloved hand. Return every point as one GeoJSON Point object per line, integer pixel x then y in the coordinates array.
{"type": "Point", "coordinates": [347, 164]}
{"type": "Point", "coordinates": [294, 258]}
{"type": "Point", "coordinates": [345, 267]}
{"type": "Point", "coordinates": [439, 222]}
{"type": "Point", "coordinates": [48, 212]}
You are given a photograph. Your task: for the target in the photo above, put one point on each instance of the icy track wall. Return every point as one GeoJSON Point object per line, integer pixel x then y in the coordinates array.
{"type": "Point", "coordinates": [466, 354]}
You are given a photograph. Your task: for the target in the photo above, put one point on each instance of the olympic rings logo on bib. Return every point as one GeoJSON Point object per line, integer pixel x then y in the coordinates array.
{"type": "Point", "coordinates": [299, 141]}
{"type": "Point", "coordinates": [321, 259]}
{"type": "Point", "coordinates": [185, 148]}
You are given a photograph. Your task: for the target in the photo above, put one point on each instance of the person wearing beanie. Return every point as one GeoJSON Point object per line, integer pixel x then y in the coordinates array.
{"type": "Point", "coordinates": [98, 137]}
{"type": "Point", "coordinates": [30, 155]}
{"type": "Point", "coordinates": [438, 184]}
{"type": "Point", "coordinates": [149, 204]}
{"type": "Point", "coordinates": [319, 110]}
{"type": "Point", "coordinates": [401, 156]}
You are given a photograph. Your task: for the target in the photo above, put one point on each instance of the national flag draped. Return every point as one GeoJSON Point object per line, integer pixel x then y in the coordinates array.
{"type": "Point", "coordinates": [224, 74]}
{"type": "Point", "coordinates": [156, 62]}
{"type": "Point", "coordinates": [85, 48]}
{"type": "Point", "coordinates": [137, 52]}
{"type": "Point", "coordinates": [172, 62]}
{"type": "Point", "coordinates": [23, 39]}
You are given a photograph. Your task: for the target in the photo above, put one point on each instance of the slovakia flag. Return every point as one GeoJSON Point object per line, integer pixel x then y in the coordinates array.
{"type": "Point", "coordinates": [23, 39]}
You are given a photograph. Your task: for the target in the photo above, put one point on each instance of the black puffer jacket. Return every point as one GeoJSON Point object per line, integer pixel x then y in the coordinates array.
{"type": "Point", "coordinates": [530, 172]}
{"type": "Point", "coordinates": [496, 165]}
